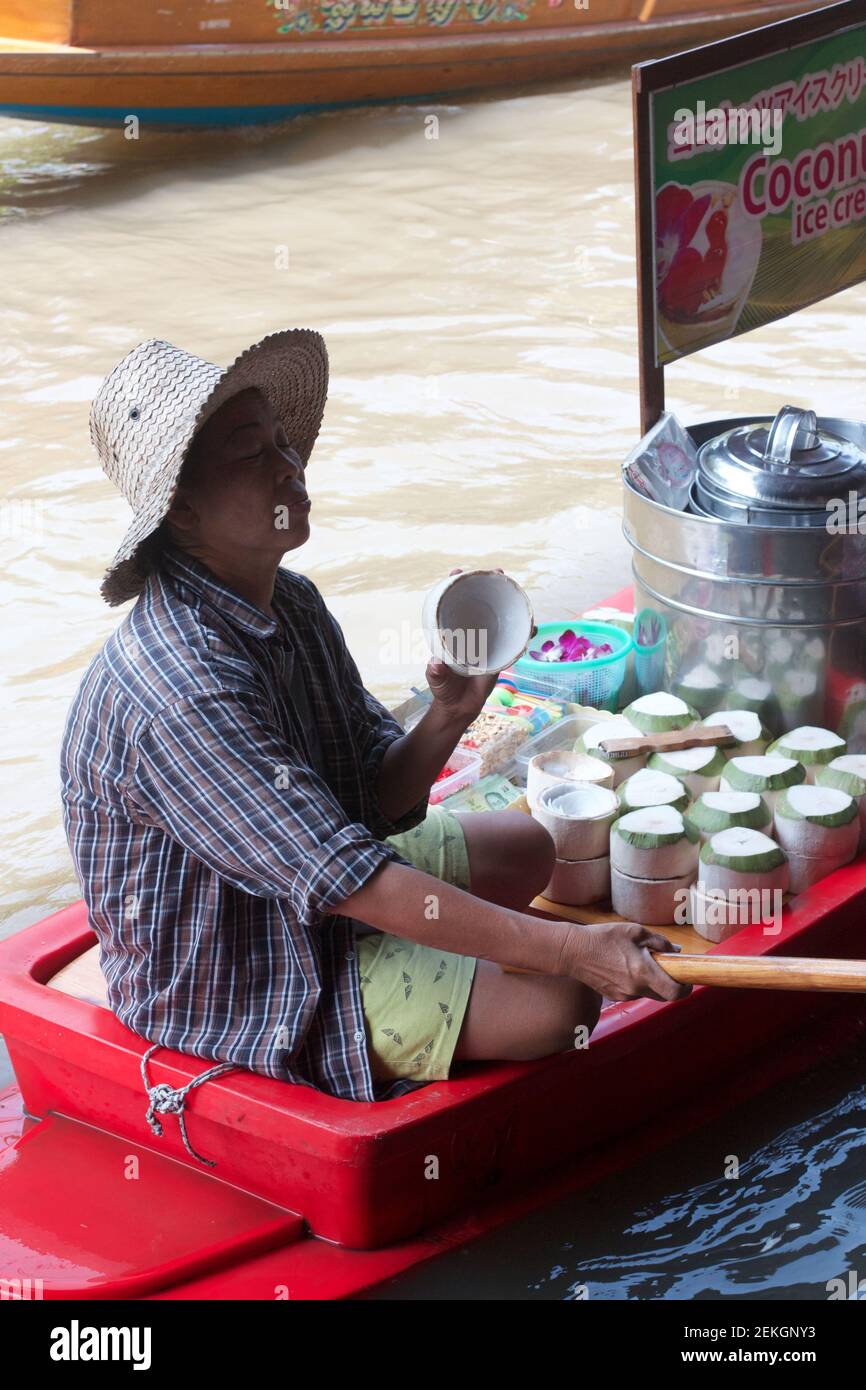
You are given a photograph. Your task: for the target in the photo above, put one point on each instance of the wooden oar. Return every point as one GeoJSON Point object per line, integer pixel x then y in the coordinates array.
{"type": "Point", "coordinates": [763, 972]}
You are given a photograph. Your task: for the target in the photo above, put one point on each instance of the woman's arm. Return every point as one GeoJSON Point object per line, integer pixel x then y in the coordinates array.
{"type": "Point", "coordinates": [611, 957]}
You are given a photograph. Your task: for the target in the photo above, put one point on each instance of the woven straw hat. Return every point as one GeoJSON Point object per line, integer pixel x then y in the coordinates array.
{"type": "Point", "coordinates": [150, 406]}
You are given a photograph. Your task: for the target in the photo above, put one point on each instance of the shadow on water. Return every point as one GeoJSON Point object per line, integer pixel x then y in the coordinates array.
{"type": "Point", "coordinates": [793, 1219]}
{"type": "Point", "coordinates": [49, 168]}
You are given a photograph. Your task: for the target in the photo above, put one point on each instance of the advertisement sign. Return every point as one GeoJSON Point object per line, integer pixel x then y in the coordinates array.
{"type": "Point", "coordinates": [751, 174]}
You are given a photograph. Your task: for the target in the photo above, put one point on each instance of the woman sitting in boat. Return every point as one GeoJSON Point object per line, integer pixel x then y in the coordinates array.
{"type": "Point", "coordinates": [251, 827]}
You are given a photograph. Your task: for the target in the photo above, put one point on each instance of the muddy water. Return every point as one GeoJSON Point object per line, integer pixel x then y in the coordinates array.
{"type": "Point", "coordinates": [477, 295]}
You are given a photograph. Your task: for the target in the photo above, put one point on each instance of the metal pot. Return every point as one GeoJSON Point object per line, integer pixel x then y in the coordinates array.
{"type": "Point", "coordinates": [763, 604]}
{"type": "Point", "coordinates": [776, 473]}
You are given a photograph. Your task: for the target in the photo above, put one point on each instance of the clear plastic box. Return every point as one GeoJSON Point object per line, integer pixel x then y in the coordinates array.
{"type": "Point", "coordinates": [563, 734]}
{"type": "Point", "coordinates": [466, 766]}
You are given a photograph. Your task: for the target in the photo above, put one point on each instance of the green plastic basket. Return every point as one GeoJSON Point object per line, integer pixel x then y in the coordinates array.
{"type": "Point", "coordinates": [593, 682]}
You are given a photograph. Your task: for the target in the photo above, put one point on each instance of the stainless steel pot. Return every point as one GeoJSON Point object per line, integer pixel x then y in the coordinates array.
{"type": "Point", "coordinates": [758, 611]}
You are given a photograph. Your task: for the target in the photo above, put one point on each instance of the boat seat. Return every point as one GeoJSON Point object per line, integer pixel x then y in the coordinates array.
{"type": "Point", "coordinates": [83, 979]}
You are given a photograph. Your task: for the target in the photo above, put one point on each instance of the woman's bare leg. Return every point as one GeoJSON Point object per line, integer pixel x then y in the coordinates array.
{"type": "Point", "coordinates": [518, 1018]}
{"type": "Point", "coordinates": [514, 1017]}
{"type": "Point", "coordinates": [511, 856]}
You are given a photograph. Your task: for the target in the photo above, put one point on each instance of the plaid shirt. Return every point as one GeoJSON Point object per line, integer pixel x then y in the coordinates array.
{"type": "Point", "coordinates": [214, 833]}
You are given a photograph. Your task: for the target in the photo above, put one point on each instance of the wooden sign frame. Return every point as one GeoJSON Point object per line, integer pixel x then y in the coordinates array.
{"type": "Point", "coordinates": [660, 74]}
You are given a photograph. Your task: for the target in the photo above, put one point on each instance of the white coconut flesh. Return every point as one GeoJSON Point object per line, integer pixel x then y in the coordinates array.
{"type": "Point", "coordinates": [762, 774]}
{"type": "Point", "coordinates": [611, 729]}
{"type": "Point", "coordinates": [808, 745]}
{"type": "Point", "coordinates": [608, 728]}
{"type": "Point", "coordinates": [659, 712]}
{"type": "Point", "coordinates": [741, 858]}
{"type": "Point", "coordinates": [579, 803]}
{"type": "Point", "coordinates": [818, 822]}
{"type": "Point", "coordinates": [754, 692]}
{"type": "Point", "coordinates": [715, 811]}
{"type": "Point", "coordinates": [848, 773]}
{"type": "Point", "coordinates": [690, 759]}
{"type": "Point", "coordinates": [651, 788]}
{"type": "Point", "coordinates": [746, 727]}
{"type": "Point", "coordinates": [653, 843]}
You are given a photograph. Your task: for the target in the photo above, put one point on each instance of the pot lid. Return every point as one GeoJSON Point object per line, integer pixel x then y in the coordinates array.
{"type": "Point", "coordinates": [787, 464]}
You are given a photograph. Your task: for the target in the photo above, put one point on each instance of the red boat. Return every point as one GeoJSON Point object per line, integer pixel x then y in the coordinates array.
{"type": "Point", "coordinates": [313, 1197]}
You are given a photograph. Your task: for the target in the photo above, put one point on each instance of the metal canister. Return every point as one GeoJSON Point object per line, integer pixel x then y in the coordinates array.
{"type": "Point", "coordinates": [760, 587]}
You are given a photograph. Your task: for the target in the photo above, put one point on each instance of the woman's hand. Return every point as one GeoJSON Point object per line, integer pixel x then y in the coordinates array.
{"type": "Point", "coordinates": [461, 698]}
{"type": "Point", "coordinates": [614, 959]}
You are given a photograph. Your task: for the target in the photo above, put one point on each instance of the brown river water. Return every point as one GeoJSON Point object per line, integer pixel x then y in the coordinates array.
{"type": "Point", "coordinates": [477, 295]}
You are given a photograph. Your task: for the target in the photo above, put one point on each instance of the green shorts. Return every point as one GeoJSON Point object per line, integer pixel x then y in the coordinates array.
{"type": "Point", "coordinates": [415, 997]}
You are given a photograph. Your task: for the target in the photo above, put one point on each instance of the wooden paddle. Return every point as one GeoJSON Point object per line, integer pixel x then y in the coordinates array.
{"type": "Point", "coordinates": [764, 972]}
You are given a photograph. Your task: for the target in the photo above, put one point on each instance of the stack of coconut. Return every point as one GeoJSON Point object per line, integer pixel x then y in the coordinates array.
{"type": "Point", "coordinates": [704, 825]}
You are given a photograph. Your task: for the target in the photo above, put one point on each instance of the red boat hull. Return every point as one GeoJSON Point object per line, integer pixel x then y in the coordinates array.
{"type": "Point", "coordinates": [366, 1177]}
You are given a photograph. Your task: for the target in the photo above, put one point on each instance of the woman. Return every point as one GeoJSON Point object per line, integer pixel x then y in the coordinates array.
{"type": "Point", "coordinates": [250, 826]}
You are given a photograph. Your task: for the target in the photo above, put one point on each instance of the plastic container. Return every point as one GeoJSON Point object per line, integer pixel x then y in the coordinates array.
{"type": "Point", "coordinates": [496, 738]}
{"type": "Point", "coordinates": [649, 657]}
{"type": "Point", "coordinates": [563, 734]}
{"type": "Point", "coordinates": [466, 767]}
{"type": "Point", "coordinates": [592, 682]}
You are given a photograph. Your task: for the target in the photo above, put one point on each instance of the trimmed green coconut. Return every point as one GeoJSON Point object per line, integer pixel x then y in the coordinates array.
{"type": "Point", "coordinates": [847, 773]}
{"type": "Point", "coordinates": [653, 826]}
{"type": "Point", "coordinates": [699, 769]}
{"type": "Point", "coordinates": [762, 774]}
{"type": "Point", "coordinates": [607, 728]}
{"type": "Point", "coordinates": [752, 738]}
{"type": "Point", "coordinates": [651, 788]}
{"type": "Point", "coordinates": [715, 811]}
{"type": "Point", "coordinates": [750, 693]}
{"type": "Point", "coordinates": [659, 713]}
{"type": "Point", "coordinates": [818, 822]}
{"type": "Point", "coordinates": [612, 728]}
{"type": "Point", "coordinates": [653, 843]}
{"type": "Point", "coordinates": [743, 851]}
{"type": "Point", "coordinates": [701, 689]}
{"type": "Point", "coordinates": [825, 806]}
{"type": "Point", "coordinates": [808, 745]}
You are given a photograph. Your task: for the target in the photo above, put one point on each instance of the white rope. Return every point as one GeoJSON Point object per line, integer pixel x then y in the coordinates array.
{"type": "Point", "coordinates": [166, 1100]}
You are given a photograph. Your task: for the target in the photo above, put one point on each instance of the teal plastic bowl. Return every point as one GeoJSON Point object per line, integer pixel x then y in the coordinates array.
{"type": "Point", "coordinates": [593, 682]}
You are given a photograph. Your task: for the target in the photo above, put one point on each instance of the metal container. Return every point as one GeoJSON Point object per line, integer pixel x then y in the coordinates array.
{"type": "Point", "coordinates": [758, 590]}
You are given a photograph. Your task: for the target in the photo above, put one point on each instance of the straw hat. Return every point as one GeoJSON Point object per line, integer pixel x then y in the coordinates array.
{"type": "Point", "coordinates": [148, 410]}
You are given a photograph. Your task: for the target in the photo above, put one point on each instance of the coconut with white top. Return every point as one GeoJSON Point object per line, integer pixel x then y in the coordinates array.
{"type": "Point", "coordinates": [701, 689]}
{"type": "Point", "coordinates": [768, 776]}
{"type": "Point", "coordinates": [809, 745]}
{"type": "Point", "coordinates": [651, 788]}
{"type": "Point", "coordinates": [610, 729]}
{"type": "Point", "coordinates": [751, 693]}
{"type": "Point", "coordinates": [746, 727]}
{"type": "Point", "coordinates": [721, 810]}
{"type": "Point", "coordinates": [653, 843]}
{"type": "Point", "coordinates": [659, 713]}
{"type": "Point", "coordinates": [848, 774]}
{"type": "Point", "coordinates": [742, 858]}
{"type": "Point", "coordinates": [699, 769]}
{"type": "Point", "coordinates": [818, 822]}
{"type": "Point", "coordinates": [578, 817]}
{"type": "Point", "coordinates": [716, 913]}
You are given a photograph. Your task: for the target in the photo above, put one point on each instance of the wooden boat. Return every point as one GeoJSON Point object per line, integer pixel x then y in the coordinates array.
{"type": "Point", "coordinates": [325, 1197]}
{"type": "Point", "coordinates": [99, 62]}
